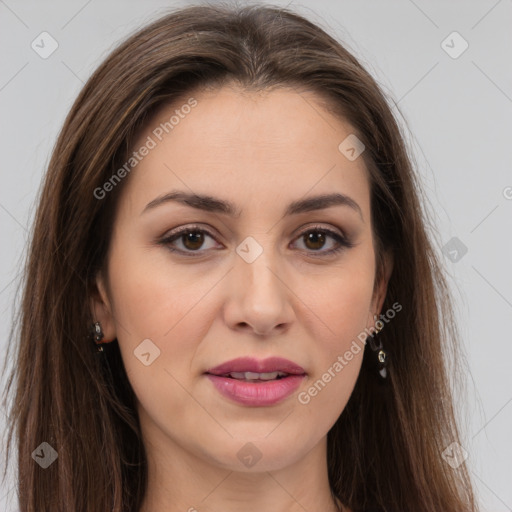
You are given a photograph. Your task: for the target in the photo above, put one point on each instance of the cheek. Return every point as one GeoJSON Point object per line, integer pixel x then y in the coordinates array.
{"type": "Point", "coordinates": [160, 303]}
{"type": "Point", "coordinates": [341, 313]}
{"type": "Point", "coordinates": [171, 306]}
{"type": "Point", "coordinates": [153, 296]}
{"type": "Point", "coordinates": [341, 300]}
{"type": "Point", "coordinates": [346, 312]}
{"type": "Point", "coordinates": [341, 303]}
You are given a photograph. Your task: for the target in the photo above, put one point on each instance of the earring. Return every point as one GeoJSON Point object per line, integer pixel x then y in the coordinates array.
{"type": "Point", "coordinates": [97, 336]}
{"type": "Point", "coordinates": [379, 356]}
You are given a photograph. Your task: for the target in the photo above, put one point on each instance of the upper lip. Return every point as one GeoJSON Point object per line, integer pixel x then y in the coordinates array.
{"type": "Point", "coordinates": [250, 364]}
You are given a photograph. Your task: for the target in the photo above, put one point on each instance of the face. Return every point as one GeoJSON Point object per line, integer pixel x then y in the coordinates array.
{"type": "Point", "coordinates": [265, 280]}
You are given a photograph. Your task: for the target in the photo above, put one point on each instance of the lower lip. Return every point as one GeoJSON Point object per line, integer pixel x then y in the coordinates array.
{"type": "Point", "coordinates": [256, 393]}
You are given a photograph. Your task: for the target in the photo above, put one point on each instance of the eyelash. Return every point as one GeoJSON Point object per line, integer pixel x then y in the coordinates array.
{"type": "Point", "coordinates": [343, 243]}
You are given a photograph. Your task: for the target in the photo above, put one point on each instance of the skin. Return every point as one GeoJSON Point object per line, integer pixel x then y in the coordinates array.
{"type": "Point", "coordinates": [261, 151]}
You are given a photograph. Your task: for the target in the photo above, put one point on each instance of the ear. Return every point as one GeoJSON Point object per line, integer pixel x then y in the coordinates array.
{"type": "Point", "coordinates": [380, 291]}
{"type": "Point", "coordinates": [101, 308]}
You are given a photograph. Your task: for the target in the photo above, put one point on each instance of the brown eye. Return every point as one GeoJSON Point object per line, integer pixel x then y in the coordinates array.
{"type": "Point", "coordinates": [193, 240]}
{"type": "Point", "coordinates": [314, 240]}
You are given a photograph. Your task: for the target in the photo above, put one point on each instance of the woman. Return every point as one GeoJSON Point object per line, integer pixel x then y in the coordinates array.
{"type": "Point", "coordinates": [231, 301]}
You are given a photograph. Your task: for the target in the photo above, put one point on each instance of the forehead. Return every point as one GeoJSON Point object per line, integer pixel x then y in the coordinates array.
{"type": "Point", "coordinates": [246, 146]}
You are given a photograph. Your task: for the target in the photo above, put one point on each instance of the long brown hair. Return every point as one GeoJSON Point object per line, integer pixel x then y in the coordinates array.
{"type": "Point", "coordinates": [385, 449]}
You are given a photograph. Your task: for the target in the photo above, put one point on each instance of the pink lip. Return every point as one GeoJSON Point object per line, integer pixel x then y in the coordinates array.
{"type": "Point", "coordinates": [257, 393]}
{"type": "Point", "coordinates": [249, 364]}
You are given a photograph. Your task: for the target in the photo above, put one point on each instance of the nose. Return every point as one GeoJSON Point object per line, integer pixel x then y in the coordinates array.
{"type": "Point", "coordinates": [259, 298]}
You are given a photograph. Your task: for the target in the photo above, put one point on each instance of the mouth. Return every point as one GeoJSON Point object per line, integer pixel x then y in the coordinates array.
{"type": "Point", "coordinates": [249, 368]}
{"type": "Point", "coordinates": [251, 382]}
{"type": "Point", "coordinates": [253, 376]}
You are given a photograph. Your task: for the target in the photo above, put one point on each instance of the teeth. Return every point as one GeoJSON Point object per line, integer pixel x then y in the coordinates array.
{"type": "Point", "coordinates": [256, 376]}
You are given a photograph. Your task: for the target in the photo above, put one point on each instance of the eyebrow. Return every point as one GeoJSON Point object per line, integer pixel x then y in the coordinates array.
{"type": "Point", "coordinates": [212, 204]}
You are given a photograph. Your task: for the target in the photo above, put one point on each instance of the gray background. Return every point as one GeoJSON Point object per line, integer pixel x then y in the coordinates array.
{"type": "Point", "coordinates": [457, 112]}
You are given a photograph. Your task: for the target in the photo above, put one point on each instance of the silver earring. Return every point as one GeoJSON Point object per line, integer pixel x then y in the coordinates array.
{"type": "Point", "coordinates": [97, 336]}
{"type": "Point", "coordinates": [97, 332]}
{"type": "Point", "coordinates": [379, 357]}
